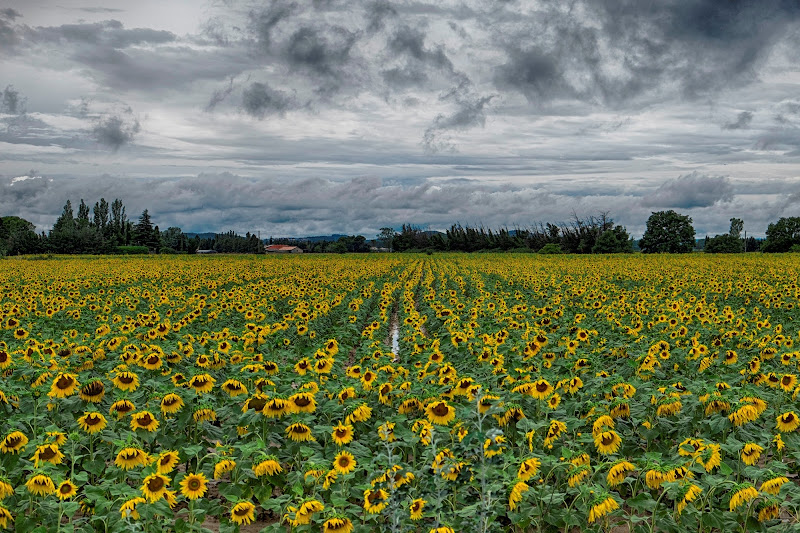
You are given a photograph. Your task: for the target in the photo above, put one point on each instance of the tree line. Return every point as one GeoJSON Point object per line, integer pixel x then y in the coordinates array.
{"type": "Point", "coordinates": [106, 229]}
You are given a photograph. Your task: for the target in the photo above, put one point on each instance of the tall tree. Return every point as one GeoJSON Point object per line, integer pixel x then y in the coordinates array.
{"type": "Point", "coordinates": [100, 215]}
{"type": "Point", "coordinates": [82, 220]}
{"type": "Point", "coordinates": [62, 236]}
{"type": "Point", "coordinates": [737, 225]}
{"type": "Point", "coordinates": [144, 233]}
{"type": "Point", "coordinates": [386, 236]}
{"type": "Point", "coordinates": [668, 232]}
{"type": "Point", "coordinates": [782, 235]}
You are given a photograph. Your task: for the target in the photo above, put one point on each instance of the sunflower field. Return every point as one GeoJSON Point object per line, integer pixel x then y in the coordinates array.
{"type": "Point", "coordinates": [439, 394]}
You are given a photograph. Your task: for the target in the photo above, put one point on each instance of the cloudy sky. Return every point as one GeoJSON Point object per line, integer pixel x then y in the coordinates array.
{"type": "Point", "coordinates": [312, 117]}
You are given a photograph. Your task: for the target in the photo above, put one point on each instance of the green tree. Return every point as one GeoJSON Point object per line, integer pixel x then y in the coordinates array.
{"type": "Point", "coordinates": [63, 234]}
{"type": "Point", "coordinates": [782, 235]}
{"type": "Point", "coordinates": [724, 244]}
{"type": "Point", "coordinates": [386, 236]}
{"type": "Point", "coordinates": [613, 241]}
{"type": "Point", "coordinates": [144, 234]}
{"type": "Point", "coordinates": [18, 236]}
{"type": "Point", "coordinates": [737, 225]}
{"type": "Point", "coordinates": [668, 232]}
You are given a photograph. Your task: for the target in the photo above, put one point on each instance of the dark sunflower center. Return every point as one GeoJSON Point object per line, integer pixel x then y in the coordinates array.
{"type": "Point", "coordinates": [47, 454]}
{"type": "Point", "coordinates": [385, 389]}
{"type": "Point", "coordinates": [92, 420]}
{"type": "Point", "coordinates": [65, 382]}
{"type": "Point", "coordinates": [66, 489]}
{"type": "Point", "coordinates": [155, 484]}
{"type": "Point", "coordinates": [440, 409]}
{"type": "Point", "coordinates": [3, 357]}
{"type": "Point", "coordinates": [145, 420]}
{"type": "Point", "coordinates": [169, 401]}
{"type": "Point", "coordinates": [165, 460]}
{"type": "Point", "coordinates": [341, 433]}
{"type": "Point", "coordinates": [344, 462]}
{"type": "Point", "coordinates": [126, 380]}
{"type": "Point", "coordinates": [259, 403]}
{"type": "Point", "coordinates": [788, 418]}
{"type": "Point", "coordinates": [787, 380]}
{"type": "Point", "coordinates": [241, 511]}
{"type": "Point", "coordinates": [194, 484]}
{"type": "Point", "coordinates": [607, 440]}
{"type": "Point", "coordinates": [302, 401]}
{"type": "Point", "coordinates": [152, 360]}
{"type": "Point", "coordinates": [299, 429]}
{"type": "Point", "coordinates": [12, 442]}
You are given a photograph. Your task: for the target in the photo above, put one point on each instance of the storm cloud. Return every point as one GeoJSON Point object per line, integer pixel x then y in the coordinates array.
{"type": "Point", "coordinates": [554, 107]}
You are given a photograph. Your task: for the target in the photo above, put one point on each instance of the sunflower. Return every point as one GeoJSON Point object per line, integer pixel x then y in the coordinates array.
{"type": "Point", "coordinates": [541, 389]}
{"type": "Point", "coordinates": [194, 486]}
{"type": "Point", "coordinates": [744, 493]}
{"type": "Point", "coordinates": [92, 422]}
{"type": "Point", "coordinates": [750, 453]}
{"type": "Point", "coordinates": [386, 432]}
{"type": "Point", "coordinates": [6, 489]}
{"type": "Point", "coordinates": [243, 513]}
{"type": "Point", "coordinates": [129, 458]}
{"type": "Point", "coordinates": [5, 360]}
{"type": "Point", "coordinates": [302, 402]}
{"type": "Point", "coordinates": [299, 432]}
{"type": "Point", "coordinates": [768, 510]}
{"type": "Point", "coordinates": [607, 442]}
{"type": "Point", "coordinates": [166, 461]}
{"type": "Point", "coordinates": [126, 381]}
{"type": "Point", "coordinates": [342, 434]}
{"type": "Point", "coordinates": [618, 472]}
{"type": "Point", "coordinates": [222, 467]}
{"type": "Point", "coordinates": [5, 517]}
{"type": "Point", "coordinates": [20, 333]}
{"type": "Point", "coordinates": [375, 500]}
{"type": "Point", "coordinates": [67, 489]}
{"type": "Point", "coordinates": [14, 442]}
{"type": "Point", "coordinates": [516, 494]}
{"type": "Point", "coordinates": [344, 463]}
{"type": "Point", "coordinates": [47, 453]}
{"type": "Point", "coordinates": [128, 509]}
{"type": "Point", "coordinates": [268, 467]}
{"type": "Point", "coordinates": [40, 485]}
{"type": "Point", "coordinates": [346, 393]}
{"type": "Point", "coordinates": [274, 408]}
{"type": "Point", "coordinates": [438, 412]}
{"type": "Point", "coordinates": [171, 403]}
{"type": "Point", "coordinates": [64, 385]}
{"type": "Point", "coordinates": [773, 485]}
{"type": "Point", "coordinates": [234, 387]}
{"type": "Point", "coordinates": [362, 413]}
{"type": "Point", "coordinates": [93, 391]}
{"type": "Point", "coordinates": [601, 507]}
{"type": "Point", "coordinates": [787, 422]}
{"type": "Point", "coordinates": [204, 414]}
{"type": "Point", "coordinates": [323, 366]}
{"type": "Point", "coordinates": [121, 408]}
{"type": "Point", "coordinates": [155, 486]}
{"type": "Point", "coordinates": [337, 525]}
{"type": "Point", "coordinates": [201, 383]}
{"type": "Point", "coordinates": [144, 420]}
{"type": "Point", "coordinates": [417, 506]}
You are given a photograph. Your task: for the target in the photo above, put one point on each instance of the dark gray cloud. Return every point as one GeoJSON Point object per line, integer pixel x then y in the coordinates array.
{"type": "Point", "coordinates": [742, 121]}
{"type": "Point", "coordinates": [260, 100]}
{"type": "Point", "coordinates": [100, 10]}
{"type": "Point", "coordinates": [10, 14]}
{"type": "Point", "coordinates": [377, 13]}
{"type": "Point", "coordinates": [470, 112]}
{"type": "Point", "coordinates": [116, 130]}
{"type": "Point", "coordinates": [106, 34]}
{"type": "Point", "coordinates": [691, 190]}
{"type": "Point", "coordinates": [12, 102]}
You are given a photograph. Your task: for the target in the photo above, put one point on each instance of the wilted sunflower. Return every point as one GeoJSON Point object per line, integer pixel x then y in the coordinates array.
{"type": "Point", "coordinates": [234, 388]}
{"type": "Point", "coordinates": [438, 412]}
{"type": "Point", "coordinates": [166, 461]}
{"type": "Point", "coordinates": [40, 485]}
{"type": "Point", "coordinates": [787, 422]}
{"type": "Point", "coordinates": [243, 513]}
{"type": "Point", "coordinates": [92, 422]}
{"type": "Point", "coordinates": [515, 496]}
{"type": "Point", "coordinates": [13, 442]}
{"type": "Point", "coordinates": [773, 485]}
{"type": "Point", "coordinates": [362, 413]}
{"type": "Point", "coordinates": [417, 507]}
{"type": "Point", "coordinates": [375, 500]}
{"type": "Point", "coordinates": [268, 467]}
{"type": "Point", "coordinates": [6, 489]}
{"type": "Point", "coordinates": [171, 403]}
{"type": "Point", "coordinates": [47, 453]}
{"type": "Point", "coordinates": [618, 472]}
{"type": "Point", "coordinates": [204, 414]}
{"type": "Point", "coordinates": [201, 383]}
{"type": "Point", "coordinates": [602, 505]}
{"type": "Point", "coordinates": [768, 510]}
{"type": "Point", "coordinates": [750, 453]}
{"type": "Point", "coordinates": [129, 458]}
{"type": "Point", "coordinates": [67, 489]}
{"type": "Point", "coordinates": [302, 402]}
{"type": "Point", "coordinates": [64, 385]}
{"type": "Point", "coordinates": [344, 463]}
{"type": "Point", "coordinates": [144, 420]}
{"type": "Point", "coordinates": [93, 392]}
{"type": "Point", "coordinates": [743, 493]}
{"type": "Point", "coordinates": [194, 486]}
{"type": "Point", "coordinates": [155, 486]}
{"type": "Point", "coordinates": [126, 381]}
{"type": "Point", "coordinates": [222, 467]}
{"type": "Point", "coordinates": [607, 442]}
{"type": "Point", "coordinates": [337, 525]}
{"type": "Point", "coordinates": [121, 408]}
